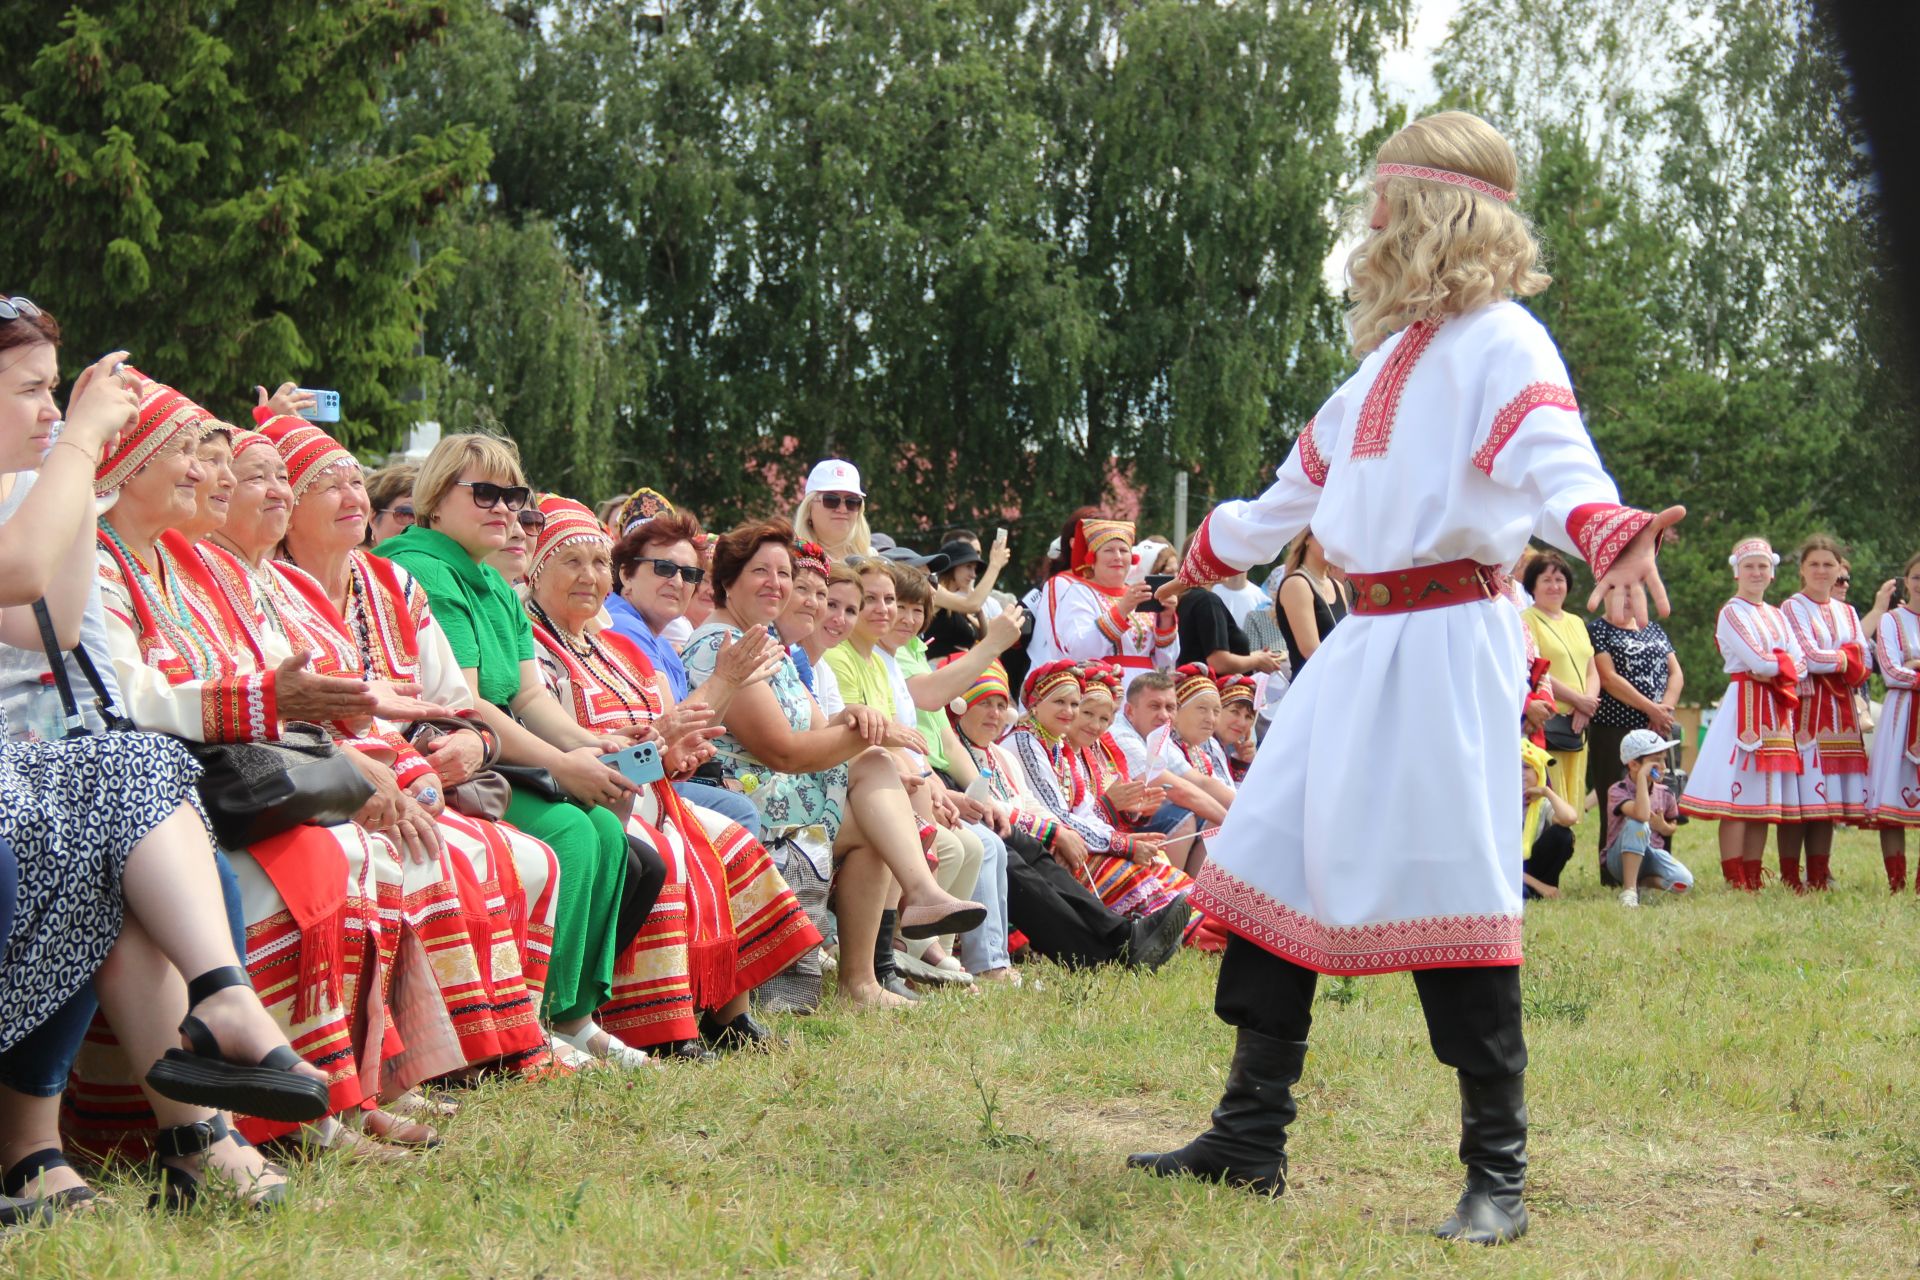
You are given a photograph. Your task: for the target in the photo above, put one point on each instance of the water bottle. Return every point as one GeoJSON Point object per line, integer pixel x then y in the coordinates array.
{"type": "Point", "coordinates": [16, 707]}
{"type": "Point", "coordinates": [47, 717]}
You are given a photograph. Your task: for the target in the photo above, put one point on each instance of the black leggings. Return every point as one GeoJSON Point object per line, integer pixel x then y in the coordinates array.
{"type": "Point", "coordinates": [1473, 1015]}
{"type": "Point", "coordinates": [646, 876]}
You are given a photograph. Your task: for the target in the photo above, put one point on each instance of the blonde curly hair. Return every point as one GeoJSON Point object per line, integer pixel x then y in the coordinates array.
{"type": "Point", "coordinates": [1444, 250]}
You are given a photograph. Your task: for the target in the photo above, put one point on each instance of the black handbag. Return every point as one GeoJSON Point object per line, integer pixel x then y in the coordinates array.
{"type": "Point", "coordinates": [1561, 735]}
{"type": "Point", "coordinates": [250, 790]}
{"type": "Point", "coordinates": [536, 782]}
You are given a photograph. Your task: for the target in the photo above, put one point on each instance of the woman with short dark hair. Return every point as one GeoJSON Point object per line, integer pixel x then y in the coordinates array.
{"type": "Point", "coordinates": [1574, 678]}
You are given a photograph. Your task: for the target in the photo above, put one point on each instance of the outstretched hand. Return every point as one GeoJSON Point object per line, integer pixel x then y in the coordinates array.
{"type": "Point", "coordinates": [1635, 576]}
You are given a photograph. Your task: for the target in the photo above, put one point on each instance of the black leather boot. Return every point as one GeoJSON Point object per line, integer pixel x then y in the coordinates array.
{"type": "Point", "coordinates": [1247, 1146]}
{"type": "Point", "coordinates": [1493, 1146]}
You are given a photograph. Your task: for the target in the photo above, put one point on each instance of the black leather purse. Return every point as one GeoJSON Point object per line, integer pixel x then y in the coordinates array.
{"type": "Point", "coordinates": [250, 790]}
{"type": "Point", "coordinates": [1560, 734]}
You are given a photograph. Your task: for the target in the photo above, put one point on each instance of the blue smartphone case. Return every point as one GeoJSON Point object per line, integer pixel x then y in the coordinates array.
{"type": "Point", "coordinates": [326, 406]}
{"type": "Point", "coordinates": [639, 765]}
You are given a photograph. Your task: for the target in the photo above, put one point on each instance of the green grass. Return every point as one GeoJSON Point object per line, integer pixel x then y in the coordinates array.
{"type": "Point", "coordinates": [1720, 1086]}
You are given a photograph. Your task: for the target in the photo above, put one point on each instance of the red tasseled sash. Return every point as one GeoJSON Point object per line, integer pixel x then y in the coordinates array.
{"type": "Point", "coordinates": [1828, 719]}
{"type": "Point", "coordinates": [1765, 708]}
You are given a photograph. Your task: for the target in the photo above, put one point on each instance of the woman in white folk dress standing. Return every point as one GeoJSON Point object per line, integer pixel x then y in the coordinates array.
{"type": "Point", "coordinates": [1425, 474]}
{"type": "Point", "coordinates": [1747, 774]}
{"type": "Point", "coordinates": [1893, 777]}
{"type": "Point", "coordinates": [1832, 786]}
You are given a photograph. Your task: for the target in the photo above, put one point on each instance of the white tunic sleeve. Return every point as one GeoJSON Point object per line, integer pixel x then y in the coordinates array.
{"type": "Point", "coordinates": [1742, 645]}
{"type": "Point", "coordinates": [1531, 440]}
{"type": "Point", "coordinates": [1236, 536]}
{"type": "Point", "coordinates": [1076, 622]}
{"type": "Point", "coordinates": [1893, 654]}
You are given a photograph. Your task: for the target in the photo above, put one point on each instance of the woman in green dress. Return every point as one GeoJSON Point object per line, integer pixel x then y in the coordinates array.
{"type": "Point", "coordinates": [466, 500]}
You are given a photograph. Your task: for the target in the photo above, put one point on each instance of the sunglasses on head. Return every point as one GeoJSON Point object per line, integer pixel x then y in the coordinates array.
{"type": "Point", "coordinates": [487, 494]}
{"type": "Point", "coordinates": [16, 308]}
{"type": "Point", "coordinates": [835, 501]}
{"type": "Point", "coordinates": [693, 574]}
{"type": "Point", "coordinates": [533, 520]}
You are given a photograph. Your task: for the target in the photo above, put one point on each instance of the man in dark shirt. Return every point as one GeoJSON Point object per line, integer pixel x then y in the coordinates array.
{"type": "Point", "coordinates": [1209, 634]}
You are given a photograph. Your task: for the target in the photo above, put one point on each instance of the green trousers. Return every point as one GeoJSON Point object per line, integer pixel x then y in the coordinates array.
{"type": "Point", "coordinates": [591, 847]}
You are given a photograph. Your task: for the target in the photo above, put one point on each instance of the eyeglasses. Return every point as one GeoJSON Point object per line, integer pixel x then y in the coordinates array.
{"type": "Point", "coordinates": [17, 308]}
{"type": "Point", "coordinates": [487, 494]}
{"type": "Point", "coordinates": [1843, 582]}
{"type": "Point", "coordinates": [402, 514]}
{"type": "Point", "coordinates": [533, 520]}
{"type": "Point", "coordinates": [835, 501]}
{"type": "Point", "coordinates": [692, 573]}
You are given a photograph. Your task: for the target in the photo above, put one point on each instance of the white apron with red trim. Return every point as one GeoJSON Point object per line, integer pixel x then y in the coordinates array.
{"type": "Point", "coordinates": [1379, 828]}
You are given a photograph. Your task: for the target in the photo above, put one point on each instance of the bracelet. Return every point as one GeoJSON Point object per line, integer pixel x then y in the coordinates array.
{"type": "Point", "coordinates": [92, 460]}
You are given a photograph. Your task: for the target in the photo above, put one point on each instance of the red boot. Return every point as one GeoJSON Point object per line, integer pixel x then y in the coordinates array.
{"type": "Point", "coordinates": [1790, 872]}
{"type": "Point", "coordinates": [1734, 870]}
{"type": "Point", "coordinates": [1752, 871]}
{"type": "Point", "coordinates": [1896, 871]}
{"type": "Point", "coordinates": [1819, 878]}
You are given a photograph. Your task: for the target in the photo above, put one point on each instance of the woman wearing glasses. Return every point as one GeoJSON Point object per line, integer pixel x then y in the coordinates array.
{"type": "Point", "coordinates": [390, 490]}
{"type": "Point", "coordinates": [468, 497]}
{"type": "Point", "coordinates": [833, 511]}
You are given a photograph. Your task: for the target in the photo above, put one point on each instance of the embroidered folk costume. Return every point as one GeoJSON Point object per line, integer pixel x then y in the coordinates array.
{"type": "Point", "coordinates": [1430, 468]}
{"type": "Point", "coordinates": [1832, 784]}
{"type": "Point", "coordinates": [1124, 885]}
{"type": "Point", "coordinates": [316, 949]}
{"type": "Point", "coordinates": [1893, 779]}
{"type": "Point", "coordinates": [1242, 691]}
{"type": "Point", "coordinates": [725, 921]}
{"type": "Point", "coordinates": [457, 922]}
{"type": "Point", "coordinates": [1079, 620]}
{"type": "Point", "coordinates": [1750, 763]}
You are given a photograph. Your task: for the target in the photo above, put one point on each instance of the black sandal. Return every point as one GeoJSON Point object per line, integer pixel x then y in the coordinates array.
{"type": "Point", "coordinates": [32, 1166]}
{"type": "Point", "coordinates": [181, 1189]}
{"type": "Point", "coordinates": [203, 1076]}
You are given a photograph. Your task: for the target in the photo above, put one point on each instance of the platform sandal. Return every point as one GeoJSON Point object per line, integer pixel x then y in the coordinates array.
{"type": "Point", "coordinates": [31, 1166]}
{"type": "Point", "coordinates": [203, 1075]}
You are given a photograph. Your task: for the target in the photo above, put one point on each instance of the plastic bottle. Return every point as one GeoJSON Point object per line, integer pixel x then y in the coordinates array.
{"type": "Point", "coordinates": [47, 717]}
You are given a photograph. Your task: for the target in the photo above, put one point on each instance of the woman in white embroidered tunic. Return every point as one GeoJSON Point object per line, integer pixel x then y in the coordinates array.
{"type": "Point", "coordinates": [1893, 778]}
{"type": "Point", "coordinates": [1832, 785]}
{"type": "Point", "coordinates": [1087, 611]}
{"type": "Point", "coordinates": [1456, 441]}
{"type": "Point", "coordinates": [1744, 777]}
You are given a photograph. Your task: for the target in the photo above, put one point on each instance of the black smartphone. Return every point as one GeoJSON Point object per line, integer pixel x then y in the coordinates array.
{"type": "Point", "coordinates": [1155, 581]}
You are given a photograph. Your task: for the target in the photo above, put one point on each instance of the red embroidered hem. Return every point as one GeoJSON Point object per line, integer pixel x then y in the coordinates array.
{"type": "Point", "coordinates": [1715, 811]}
{"type": "Point", "coordinates": [1389, 946]}
{"type": "Point", "coordinates": [1202, 567]}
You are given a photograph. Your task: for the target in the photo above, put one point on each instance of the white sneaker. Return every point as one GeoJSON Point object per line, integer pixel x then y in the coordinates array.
{"type": "Point", "coordinates": [1629, 898]}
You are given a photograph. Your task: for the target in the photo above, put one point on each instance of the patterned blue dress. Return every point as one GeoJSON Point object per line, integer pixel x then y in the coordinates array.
{"type": "Point", "coordinates": [72, 811]}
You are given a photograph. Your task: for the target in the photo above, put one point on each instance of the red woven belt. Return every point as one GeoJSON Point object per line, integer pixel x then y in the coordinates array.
{"type": "Point", "coordinates": [1131, 662]}
{"type": "Point", "coordinates": [1430, 586]}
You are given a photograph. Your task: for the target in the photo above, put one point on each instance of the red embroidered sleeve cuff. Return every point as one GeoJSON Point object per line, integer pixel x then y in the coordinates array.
{"type": "Point", "coordinates": [409, 766]}
{"type": "Point", "coordinates": [1202, 568]}
{"type": "Point", "coordinates": [1113, 624]}
{"type": "Point", "coordinates": [1602, 530]}
{"type": "Point", "coordinates": [239, 709]}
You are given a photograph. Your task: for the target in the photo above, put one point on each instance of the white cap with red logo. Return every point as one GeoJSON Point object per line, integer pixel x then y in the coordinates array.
{"type": "Point", "coordinates": [834, 476]}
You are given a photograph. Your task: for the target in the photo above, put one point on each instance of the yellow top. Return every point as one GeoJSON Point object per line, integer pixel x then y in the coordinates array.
{"type": "Point", "coordinates": [1564, 643]}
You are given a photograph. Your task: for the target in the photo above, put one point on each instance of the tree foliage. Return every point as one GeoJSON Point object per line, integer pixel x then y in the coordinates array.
{"type": "Point", "coordinates": [978, 246]}
{"type": "Point", "coordinates": [195, 182]}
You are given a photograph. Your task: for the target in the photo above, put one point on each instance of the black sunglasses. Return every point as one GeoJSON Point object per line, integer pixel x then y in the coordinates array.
{"type": "Point", "coordinates": [487, 494]}
{"type": "Point", "coordinates": [533, 520]}
{"type": "Point", "coordinates": [834, 501]}
{"type": "Point", "coordinates": [692, 573]}
{"type": "Point", "coordinates": [15, 308]}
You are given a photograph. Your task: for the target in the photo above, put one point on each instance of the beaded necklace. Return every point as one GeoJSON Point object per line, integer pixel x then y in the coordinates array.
{"type": "Point", "coordinates": [169, 606]}
{"type": "Point", "coordinates": [612, 675]}
{"type": "Point", "coordinates": [1066, 768]}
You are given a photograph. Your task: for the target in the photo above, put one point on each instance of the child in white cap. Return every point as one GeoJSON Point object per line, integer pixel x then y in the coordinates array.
{"type": "Point", "coordinates": [1641, 816]}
